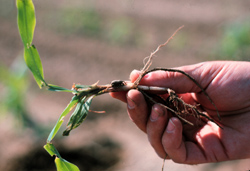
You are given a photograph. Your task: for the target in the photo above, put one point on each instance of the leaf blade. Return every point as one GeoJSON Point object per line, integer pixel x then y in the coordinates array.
{"type": "Point", "coordinates": [33, 61]}
{"type": "Point", "coordinates": [64, 165]}
{"type": "Point", "coordinates": [26, 20]}
{"type": "Point", "coordinates": [79, 115]}
{"type": "Point", "coordinates": [52, 87]}
{"type": "Point", "coordinates": [69, 107]}
{"type": "Point", "coordinates": [51, 149]}
{"type": "Point", "coordinates": [61, 164]}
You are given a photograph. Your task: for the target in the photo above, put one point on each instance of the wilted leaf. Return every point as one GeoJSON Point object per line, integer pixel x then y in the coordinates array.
{"type": "Point", "coordinates": [34, 63]}
{"type": "Point", "coordinates": [84, 111]}
{"type": "Point", "coordinates": [78, 115]}
{"type": "Point", "coordinates": [73, 119]}
{"type": "Point", "coordinates": [70, 106]}
{"type": "Point", "coordinates": [26, 20]}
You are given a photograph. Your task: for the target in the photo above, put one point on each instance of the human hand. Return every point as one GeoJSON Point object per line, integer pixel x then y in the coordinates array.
{"type": "Point", "coordinates": [226, 83]}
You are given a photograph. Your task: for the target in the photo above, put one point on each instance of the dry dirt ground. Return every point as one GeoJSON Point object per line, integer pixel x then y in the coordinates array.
{"type": "Point", "coordinates": [106, 141]}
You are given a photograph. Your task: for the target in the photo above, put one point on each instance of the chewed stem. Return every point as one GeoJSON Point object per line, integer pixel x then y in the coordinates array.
{"type": "Point", "coordinates": [174, 104]}
{"type": "Point", "coordinates": [129, 85]}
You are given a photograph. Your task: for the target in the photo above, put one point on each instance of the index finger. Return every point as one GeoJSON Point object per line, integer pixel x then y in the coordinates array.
{"type": "Point", "coordinates": [183, 79]}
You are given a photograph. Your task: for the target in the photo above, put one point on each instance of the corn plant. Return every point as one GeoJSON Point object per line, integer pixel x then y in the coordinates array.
{"type": "Point", "coordinates": [235, 41]}
{"type": "Point", "coordinates": [15, 83]}
{"type": "Point", "coordinates": [84, 94]}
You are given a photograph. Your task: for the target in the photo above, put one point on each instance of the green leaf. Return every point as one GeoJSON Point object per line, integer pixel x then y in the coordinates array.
{"type": "Point", "coordinates": [51, 149]}
{"type": "Point", "coordinates": [61, 164]}
{"type": "Point", "coordinates": [34, 63]}
{"type": "Point", "coordinates": [52, 87]}
{"type": "Point", "coordinates": [26, 21]}
{"type": "Point", "coordinates": [79, 115]}
{"type": "Point", "coordinates": [64, 165]}
{"type": "Point", "coordinates": [83, 86]}
{"type": "Point", "coordinates": [70, 106]}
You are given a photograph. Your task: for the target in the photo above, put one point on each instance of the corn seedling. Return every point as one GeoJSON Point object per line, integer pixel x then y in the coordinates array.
{"type": "Point", "coordinates": [84, 94]}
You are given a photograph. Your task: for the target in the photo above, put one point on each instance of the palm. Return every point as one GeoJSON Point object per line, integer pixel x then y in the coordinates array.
{"type": "Point", "coordinates": [229, 89]}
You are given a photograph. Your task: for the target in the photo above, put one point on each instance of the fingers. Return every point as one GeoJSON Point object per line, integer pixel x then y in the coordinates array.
{"type": "Point", "coordinates": [137, 109]}
{"type": "Point", "coordinates": [171, 80]}
{"type": "Point", "coordinates": [174, 80]}
{"type": "Point", "coordinates": [119, 95]}
{"type": "Point", "coordinates": [134, 75]}
{"type": "Point", "coordinates": [166, 137]}
{"type": "Point", "coordinates": [178, 150]}
{"type": "Point", "coordinates": [203, 73]}
{"type": "Point", "coordinates": [122, 95]}
{"type": "Point", "coordinates": [172, 141]}
{"type": "Point", "coordinates": [155, 128]}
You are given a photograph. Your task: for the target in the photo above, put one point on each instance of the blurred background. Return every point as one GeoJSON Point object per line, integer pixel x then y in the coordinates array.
{"type": "Point", "coordinates": [83, 41]}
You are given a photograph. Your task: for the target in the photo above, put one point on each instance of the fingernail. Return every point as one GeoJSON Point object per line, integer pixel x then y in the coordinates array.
{"type": "Point", "coordinates": [156, 112]}
{"type": "Point", "coordinates": [130, 102]}
{"type": "Point", "coordinates": [135, 70]}
{"type": "Point", "coordinates": [171, 126]}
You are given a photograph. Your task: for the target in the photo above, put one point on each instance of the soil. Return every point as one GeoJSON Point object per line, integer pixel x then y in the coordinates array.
{"type": "Point", "coordinates": [106, 141]}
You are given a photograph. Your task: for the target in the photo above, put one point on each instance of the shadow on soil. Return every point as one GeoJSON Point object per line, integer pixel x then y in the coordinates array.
{"type": "Point", "coordinates": [102, 154]}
